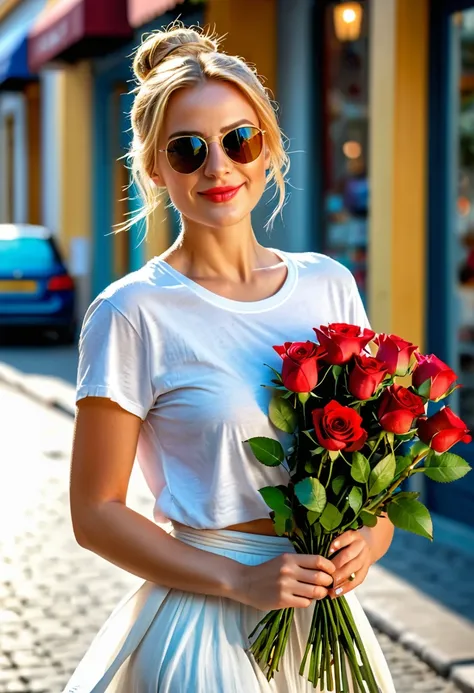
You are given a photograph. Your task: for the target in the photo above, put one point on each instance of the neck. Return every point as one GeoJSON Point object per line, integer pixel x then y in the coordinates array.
{"type": "Point", "coordinates": [231, 252]}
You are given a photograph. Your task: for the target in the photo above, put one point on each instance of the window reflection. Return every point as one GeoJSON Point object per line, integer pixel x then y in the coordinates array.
{"type": "Point", "coordinates": [345, 132]}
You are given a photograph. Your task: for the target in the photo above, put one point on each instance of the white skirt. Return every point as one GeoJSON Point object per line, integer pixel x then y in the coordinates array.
{"type": "Point", "coordinates": [160, 640]}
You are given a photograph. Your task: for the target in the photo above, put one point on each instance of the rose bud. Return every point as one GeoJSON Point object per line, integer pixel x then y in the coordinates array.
{"type": "Point", "coordinates": [366, 376]}
{"type": "Point", "coordinates": [432, 378]}
{"type": "Point", "coordinates": [300, 365]}
{"type": "Point", "coordinates": [398, 409]}
{"type": "Point", "coordinates": [341, 341]}
{"type": "Point", "coordinates": [395, 352]}
{"type": "Point", "coordinates": [338, 427]}
{"type": "Point", "coordinates": [443, 430]}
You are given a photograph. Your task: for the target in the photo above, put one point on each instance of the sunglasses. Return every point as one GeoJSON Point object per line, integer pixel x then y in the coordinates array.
{"type": "Point", "coordinates": [186, 154]}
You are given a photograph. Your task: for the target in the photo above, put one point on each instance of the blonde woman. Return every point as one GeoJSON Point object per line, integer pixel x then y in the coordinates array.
{"type": "Point", "coordinates": [171, 361]}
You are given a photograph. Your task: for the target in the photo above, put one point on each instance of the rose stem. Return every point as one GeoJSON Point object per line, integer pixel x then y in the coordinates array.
{"type": "Point", "coordinates": [329, 677]}
{"type": "Point", "coordinates": [351, 655]}
{"type": "Point", "coordinates": [360, 646]}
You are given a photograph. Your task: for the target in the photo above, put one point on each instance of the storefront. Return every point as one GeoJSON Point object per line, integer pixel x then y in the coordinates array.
{"type": "Point", "coordinates": [450, 310]}
{"type": "Point", "coordinates": [19, 119]}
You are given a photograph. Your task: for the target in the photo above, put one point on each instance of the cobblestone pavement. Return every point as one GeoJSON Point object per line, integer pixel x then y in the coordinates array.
{"type": "Point", "coordinates": [54, 595]}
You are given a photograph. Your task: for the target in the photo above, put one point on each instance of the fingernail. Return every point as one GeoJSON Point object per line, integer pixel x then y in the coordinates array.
{"type": "Point", "coordinates": [339, 590]}
{"type": "Point", "coordinates": [331, 550]}
{"type": "Point", "coordinates": [336, 544]}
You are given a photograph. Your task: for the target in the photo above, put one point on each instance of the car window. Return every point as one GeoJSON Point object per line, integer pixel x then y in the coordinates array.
{"type": "Point", "coordinates": [26, 254]}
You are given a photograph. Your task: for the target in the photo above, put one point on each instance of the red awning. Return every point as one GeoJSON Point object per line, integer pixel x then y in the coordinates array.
{"type": "Point", "coordinates": [75, 29]}
{"type": "Point", "coordinates": [142, 11]}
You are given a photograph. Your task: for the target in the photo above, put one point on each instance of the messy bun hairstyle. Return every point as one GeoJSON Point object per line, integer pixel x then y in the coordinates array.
{"type": "Point", "coordinates": [181, 57]}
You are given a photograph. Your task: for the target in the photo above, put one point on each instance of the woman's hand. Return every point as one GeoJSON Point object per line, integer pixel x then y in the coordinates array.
{"type": "Point", "coordinates": [354, 556]}
{"type": "Point", "coordinates": [290, 580]}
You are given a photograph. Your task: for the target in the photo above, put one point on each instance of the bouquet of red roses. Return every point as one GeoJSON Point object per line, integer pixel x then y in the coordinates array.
{"type": "Point", "coordinates": [349, 419]}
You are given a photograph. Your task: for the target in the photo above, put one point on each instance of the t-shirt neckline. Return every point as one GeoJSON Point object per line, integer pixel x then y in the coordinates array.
{"type": "Point", "coordinates": [262, 305]}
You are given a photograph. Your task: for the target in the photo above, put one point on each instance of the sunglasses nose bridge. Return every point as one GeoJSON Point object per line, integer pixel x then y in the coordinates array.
{"type": "Point", "coordinates": [217, 160]}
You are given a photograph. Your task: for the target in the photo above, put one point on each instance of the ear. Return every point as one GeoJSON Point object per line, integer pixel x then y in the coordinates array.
{"type": "Point", "coordinates": [267, 157]}
{"type": "Point", "coordinates": [157, 180]}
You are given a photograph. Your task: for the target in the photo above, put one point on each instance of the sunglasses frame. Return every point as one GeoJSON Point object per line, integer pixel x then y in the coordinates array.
{"type": "Point", "coordinates": [207, 141]}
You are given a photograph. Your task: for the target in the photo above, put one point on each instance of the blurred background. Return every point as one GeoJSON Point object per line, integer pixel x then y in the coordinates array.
{"type": "Point", "coordinates": [377, 100]}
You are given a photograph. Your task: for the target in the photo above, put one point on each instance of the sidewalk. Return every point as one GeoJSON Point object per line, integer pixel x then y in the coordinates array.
{"type": "Point", "coordinates": [421, 594]}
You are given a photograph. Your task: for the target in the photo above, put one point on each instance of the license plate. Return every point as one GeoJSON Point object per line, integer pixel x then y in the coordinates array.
{"type": "Point", "coordinates": [18, 286]}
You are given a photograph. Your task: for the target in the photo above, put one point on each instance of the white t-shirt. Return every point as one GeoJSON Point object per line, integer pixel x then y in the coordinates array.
{"type": "Point", "coordinates": [191, 364]}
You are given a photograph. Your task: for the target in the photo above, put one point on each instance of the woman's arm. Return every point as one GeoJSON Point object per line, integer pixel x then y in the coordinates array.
{"type": "Point", "coordinates": [105, 441]}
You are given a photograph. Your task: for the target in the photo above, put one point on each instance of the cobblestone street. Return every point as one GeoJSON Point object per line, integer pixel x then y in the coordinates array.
{"type": "Point", "coordinates": [53, 594]}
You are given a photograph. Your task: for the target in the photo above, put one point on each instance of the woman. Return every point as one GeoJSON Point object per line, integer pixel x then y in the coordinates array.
{"type": "Point", "coordinates": [171, 362]}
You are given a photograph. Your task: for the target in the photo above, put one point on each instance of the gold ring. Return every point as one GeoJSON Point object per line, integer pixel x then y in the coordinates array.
{"type": "Point", "coordinates": [352, 577]}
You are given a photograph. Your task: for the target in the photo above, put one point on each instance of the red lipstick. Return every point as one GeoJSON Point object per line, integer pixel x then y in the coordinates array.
{"type": "Point", "coordinates": [221, 194]}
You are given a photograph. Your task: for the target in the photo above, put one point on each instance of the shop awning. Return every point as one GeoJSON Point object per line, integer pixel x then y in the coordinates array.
{"type": "Point", "coordinates": [75, 29]}
{"type": "Point", "coordinates": [14, 71]}
{"type": "Point", "coordinates": [142, 11]}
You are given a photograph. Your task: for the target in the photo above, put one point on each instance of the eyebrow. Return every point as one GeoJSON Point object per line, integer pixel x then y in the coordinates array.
{"type": "Point", "coordinates": [227, 128]}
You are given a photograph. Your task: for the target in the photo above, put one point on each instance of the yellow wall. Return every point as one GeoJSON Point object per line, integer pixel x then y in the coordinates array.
{"type": "Point", "coordinates": [398, 131]}
{"type": "Point", "coordinates": [75, 138]}
{"type": "Point", "coordinates": [251, 29]}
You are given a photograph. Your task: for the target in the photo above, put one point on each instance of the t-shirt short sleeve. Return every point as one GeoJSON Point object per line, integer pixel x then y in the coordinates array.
{"type": "Point", "coordinates": [357, 314]}
{"type": "Point", "coordinates": [113, 361]}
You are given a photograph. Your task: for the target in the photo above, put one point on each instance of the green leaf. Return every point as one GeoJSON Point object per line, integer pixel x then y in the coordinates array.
{"type": "Point", "coordinates": [308, 433]}
{"type": "Point", "coordinates": [312, 517]}
{"type": "Point", "coordinates": [276, 500]}
{"type": "Point", "coordinates": [411, 515]}
{"type": "Point", "coordinates": [368, 519]}
{"type": "Point", "coordinates": [337, 484]}
{"type": "Point", "coordinates": [331, 518]}
{"type": "Point", "coordinates": [445, 467]}
{"type": "Point", "coordinates": [381, 475]}
{"type": "Point", "coordinates": [281, 414]}
{"type": "Point", "coordinates": [336, 371]}
{"type": "Point", "coordinates": [401, 463]}
{"type": "Point", "coordinates": [311, 494]}
{"type": "Point", "coordinates": [418, 448]}
{"type": "Point", "coordinates": [407, 494]}
{"type": "Point", "coordinates": [267, 450]}
{"type": "Point", "coordinates": [360, 468]}
{"type": "Point", "coordinates": [309, 467]}
{"type": "Point", "coordinates": [279, 522]}
{"type": "Point", "coordinates": [355, 499]}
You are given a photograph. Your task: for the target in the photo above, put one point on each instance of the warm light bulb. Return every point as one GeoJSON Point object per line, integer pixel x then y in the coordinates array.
{"type": "Point", "coordinates": [349, 16]}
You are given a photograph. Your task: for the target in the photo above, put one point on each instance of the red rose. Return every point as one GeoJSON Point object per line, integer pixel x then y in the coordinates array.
{"type": "Point", "coordinates": [341, 342]}
{"type": "Point", "coordinates": [366, 376]}
{"type": "Point", "coordinates": [338, 428]}
{"type": "Point", "coordinates": [398, 409]}
{"type": "Point", "coordinates": [300, 365]}
{"type": "Point", "coordinates": [443, 430]}
{"type": "Point", "coordinates": [395, 352]}
{"type": "Point", "coordinates": [432, 378]}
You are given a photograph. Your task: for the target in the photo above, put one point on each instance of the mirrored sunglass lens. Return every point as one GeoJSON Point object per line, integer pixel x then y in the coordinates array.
{"type": "Point", "coordinates": [243, 145]}
{"type": "Point", "coordinates": [186, 154]}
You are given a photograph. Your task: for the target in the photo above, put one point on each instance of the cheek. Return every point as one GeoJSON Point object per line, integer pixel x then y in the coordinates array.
{"type": "Point", "coordinates": [179, 188]}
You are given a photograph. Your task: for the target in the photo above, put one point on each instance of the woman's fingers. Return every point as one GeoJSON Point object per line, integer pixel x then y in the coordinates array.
{"type": "Point", "coordinates": [313, 577]}
{"type": "Point", "coordinates": [344, 540]}
{"type": "Point", "coordinates": [342, 585]}
{"type": "Point", "coordinates": [315, 563]}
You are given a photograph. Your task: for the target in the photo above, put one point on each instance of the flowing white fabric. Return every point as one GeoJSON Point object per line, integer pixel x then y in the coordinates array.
{"type": "Point", "coordinates": [160, 640]}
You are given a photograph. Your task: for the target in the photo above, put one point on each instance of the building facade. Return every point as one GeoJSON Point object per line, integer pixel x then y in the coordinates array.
{"type": "Point", "coordinates": [375, 98]}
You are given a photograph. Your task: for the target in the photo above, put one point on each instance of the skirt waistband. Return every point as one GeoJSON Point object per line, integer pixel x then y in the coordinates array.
{"type": "Point", "coordinates": [245, 542]}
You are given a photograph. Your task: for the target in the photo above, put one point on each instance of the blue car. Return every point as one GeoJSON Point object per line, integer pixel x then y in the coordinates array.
{"type": "Point", "coordinates": [36, 290]}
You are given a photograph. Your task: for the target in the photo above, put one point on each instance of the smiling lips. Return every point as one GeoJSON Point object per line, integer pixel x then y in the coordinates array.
{"type": "Point", "coordinates": [222, 194]}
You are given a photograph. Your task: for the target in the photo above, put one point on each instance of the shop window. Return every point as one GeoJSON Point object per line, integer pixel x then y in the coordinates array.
{"type": "Point", "coordinates": [10, 168]}
{"type": "Point", "coordinates": [464, 229]}
{"type": "Point", "coordinates": [345, 140]}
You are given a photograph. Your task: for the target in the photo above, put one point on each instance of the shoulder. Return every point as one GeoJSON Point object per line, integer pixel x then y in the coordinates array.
{"type": "Point", "coordinates": [318, 267]}
{"type": "Point", "coordinates": [128, 295]}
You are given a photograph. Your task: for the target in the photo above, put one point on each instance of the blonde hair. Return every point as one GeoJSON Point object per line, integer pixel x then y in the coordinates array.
{"type": "Point", "coordinates": [180, 57]}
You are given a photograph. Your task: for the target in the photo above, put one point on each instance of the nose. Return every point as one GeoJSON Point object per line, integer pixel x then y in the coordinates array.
{"type": "Point", "coordinates": [217, 162]}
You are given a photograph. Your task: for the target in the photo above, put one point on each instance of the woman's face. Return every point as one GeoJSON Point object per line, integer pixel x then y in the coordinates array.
{"type": "Point", "coordinates": [211, 109]}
